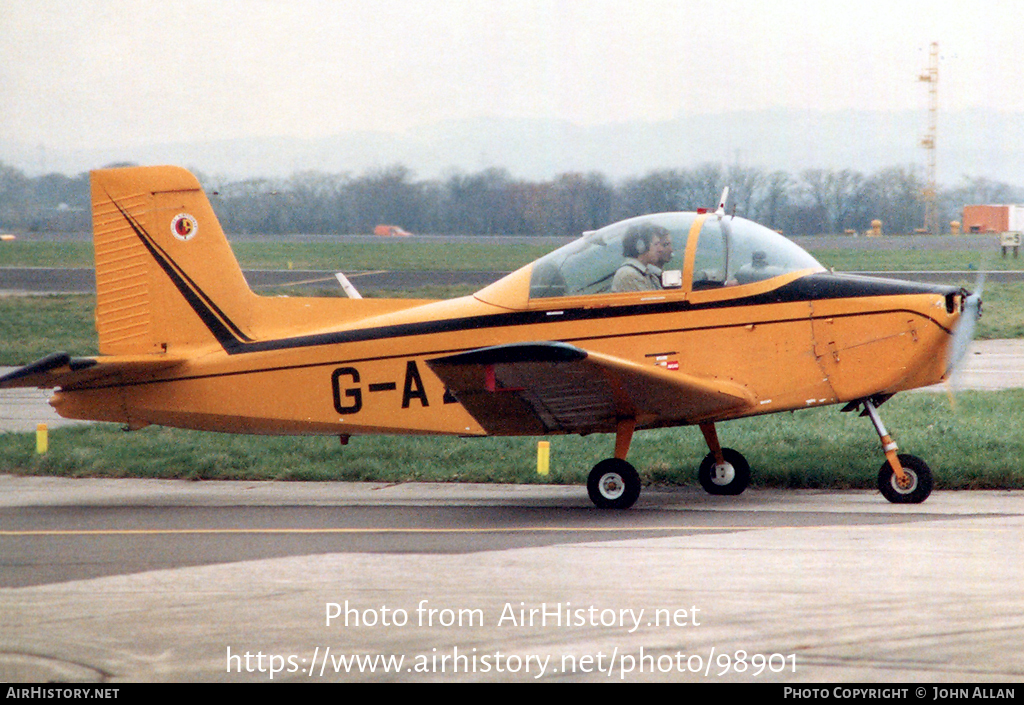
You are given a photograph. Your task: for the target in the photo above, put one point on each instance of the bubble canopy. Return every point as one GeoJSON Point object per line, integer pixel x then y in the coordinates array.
{"type": "Point", "coordinates": [652, 252]}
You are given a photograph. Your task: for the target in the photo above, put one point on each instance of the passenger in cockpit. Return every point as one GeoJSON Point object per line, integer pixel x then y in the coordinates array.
{"type": "Point", "coordinates": [647, 248]}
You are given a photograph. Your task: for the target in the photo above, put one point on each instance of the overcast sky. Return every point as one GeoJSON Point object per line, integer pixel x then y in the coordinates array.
{"type": "Point", "coordinates": [89, 73]}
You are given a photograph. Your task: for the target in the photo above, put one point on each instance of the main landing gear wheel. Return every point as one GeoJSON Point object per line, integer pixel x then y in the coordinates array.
{"type": "Point", "coordinates": [728, 479]}
{"type": "Point", "coordinates": [917, 486]}
{"type": "Point", "coordinates": [613, 484]}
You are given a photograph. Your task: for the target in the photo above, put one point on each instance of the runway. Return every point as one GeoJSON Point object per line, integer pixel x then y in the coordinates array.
{"type": "Point", "coordinates": [500, 583]}
{"type": "Point", "coordinates": [46, 544]}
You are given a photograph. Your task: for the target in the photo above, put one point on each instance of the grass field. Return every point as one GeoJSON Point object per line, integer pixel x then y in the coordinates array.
{"type": "Point", "coordinates": [418, 256]}
{"type": "Point", "coordinates": [332, 256]}
{"type": "Point", "coordinates": [34, 326]}
{"type": "Point", "coordinates": [970, 445]}
{"type": "Point", "coordinates": [898, 260]}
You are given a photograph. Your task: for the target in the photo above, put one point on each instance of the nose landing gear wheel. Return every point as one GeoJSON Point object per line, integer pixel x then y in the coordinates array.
{"type": "Point", "coordinates": [613, 484]}
{"type": "Point", "coordinates": [729, 479]}
{"type": "Point", "coordinates": [918, 484]}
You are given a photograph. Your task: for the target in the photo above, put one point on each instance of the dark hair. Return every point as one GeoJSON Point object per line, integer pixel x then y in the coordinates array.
{"type": "Point", "coordinates": [638, 238]}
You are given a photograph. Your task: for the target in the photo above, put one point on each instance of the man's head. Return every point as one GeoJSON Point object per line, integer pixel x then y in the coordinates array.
{"type": "Point", "coordinates": [651, 244]}
{"type": "Point", "coordinates": [661, 250]}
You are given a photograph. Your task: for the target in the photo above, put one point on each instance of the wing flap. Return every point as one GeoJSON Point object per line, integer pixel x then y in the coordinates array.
{"type": "Point", "coordinates": [61, 370]}
{"type": "Point", "coordinates": [538, 388]}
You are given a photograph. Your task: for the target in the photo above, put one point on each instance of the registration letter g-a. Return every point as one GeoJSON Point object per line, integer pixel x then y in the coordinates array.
{"type": "Point", "coordinates": [353, 393]}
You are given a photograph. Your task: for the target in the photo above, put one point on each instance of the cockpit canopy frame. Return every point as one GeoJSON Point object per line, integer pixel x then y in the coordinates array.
{"type": "Point", "coordinates": [708, 251]}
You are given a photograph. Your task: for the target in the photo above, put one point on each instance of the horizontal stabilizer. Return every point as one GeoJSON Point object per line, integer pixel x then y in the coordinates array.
{"type": "Point", "coordinates": [62, 370]}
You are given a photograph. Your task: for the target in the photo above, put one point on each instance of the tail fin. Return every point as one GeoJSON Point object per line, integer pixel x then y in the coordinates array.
{"type": "Point", "coordinates": [165, 274]}
{"type": "Point", "coordinates": [167, 281]}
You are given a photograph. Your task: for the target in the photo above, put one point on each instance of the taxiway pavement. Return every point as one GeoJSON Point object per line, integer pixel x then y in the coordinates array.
{"type": "Point", "coordinates": [500, 583]}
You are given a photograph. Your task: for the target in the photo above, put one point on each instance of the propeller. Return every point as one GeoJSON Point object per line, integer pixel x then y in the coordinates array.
{"type": "Point", "coordinates": [963, 334]}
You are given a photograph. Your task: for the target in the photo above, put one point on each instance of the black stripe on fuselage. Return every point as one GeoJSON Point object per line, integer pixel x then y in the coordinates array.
{"type": "Point", "coordinates": [823, 286]}
{"type": "Point", "coordinates": [405, 355]}
{"type": "Point", "coordinates": [813, 287]}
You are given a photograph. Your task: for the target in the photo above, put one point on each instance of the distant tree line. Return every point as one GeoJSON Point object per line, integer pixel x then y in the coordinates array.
{"type": "Point", "coordinates": [493, 202]}
{"type": "Point", "coordinates": [53, 202]}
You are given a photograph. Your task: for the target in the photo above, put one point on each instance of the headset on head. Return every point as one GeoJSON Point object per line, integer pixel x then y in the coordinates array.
{"type": "Point", "coordinates": [636, 243]}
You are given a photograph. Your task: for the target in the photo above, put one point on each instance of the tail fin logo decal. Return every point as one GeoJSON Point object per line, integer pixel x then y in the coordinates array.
{"type": "Point", "coordinates": [184, 227]}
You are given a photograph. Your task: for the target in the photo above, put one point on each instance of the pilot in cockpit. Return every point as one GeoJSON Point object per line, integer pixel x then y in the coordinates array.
{"type": "Point", "coordinates": [647, 248]}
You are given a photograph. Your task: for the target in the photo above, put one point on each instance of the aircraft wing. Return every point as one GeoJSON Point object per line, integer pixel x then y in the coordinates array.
{"type": "Point", "coordinates": [62, 370]}
{"type": "Point", "coordinates": [540, 388]}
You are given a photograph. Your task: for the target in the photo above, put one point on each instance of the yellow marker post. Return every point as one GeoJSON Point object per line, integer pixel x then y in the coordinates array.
{"type": "Point", "coordinates": [42, 442]}
{"type": "Point", "coordinates": [543, 457]}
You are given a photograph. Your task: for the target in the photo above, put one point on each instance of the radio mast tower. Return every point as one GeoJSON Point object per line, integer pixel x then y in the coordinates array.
{"type": "Point", "coordinates": [931, 77]}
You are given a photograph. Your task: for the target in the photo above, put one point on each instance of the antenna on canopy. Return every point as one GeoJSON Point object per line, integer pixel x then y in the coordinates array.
{"type": "Point", "coordinates": [721, 202]}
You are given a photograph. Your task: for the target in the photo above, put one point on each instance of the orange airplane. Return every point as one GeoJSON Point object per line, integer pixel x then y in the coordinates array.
{"type": "Point", "coordinates": [663, 320]}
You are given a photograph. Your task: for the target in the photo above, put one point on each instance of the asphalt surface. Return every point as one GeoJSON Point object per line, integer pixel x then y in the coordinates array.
{"type": "Point", "coordinates": [57, 544]}
{"type": "Point", "coordinates": [254, 582]}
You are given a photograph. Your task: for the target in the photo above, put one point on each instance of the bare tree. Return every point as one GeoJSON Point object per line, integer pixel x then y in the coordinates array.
{"type": "Point", "coordinates": [771, 203]}
{"type": "Point", "coordinates": [894, 196]}
{"type": "Point", "coordinates": [832, 197]}
{"type": "Point", "coordinates": [657, 192]}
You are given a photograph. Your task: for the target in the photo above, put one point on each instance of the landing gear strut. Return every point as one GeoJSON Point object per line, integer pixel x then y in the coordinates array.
{"type": "Point", "coordinates": [723, 471]}
{"type": "Point", "coordinates": [614, 483]}
{"type": "Point", "coordinates": [902, 479]}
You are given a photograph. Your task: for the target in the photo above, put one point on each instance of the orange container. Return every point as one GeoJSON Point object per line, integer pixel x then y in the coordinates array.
{"type": "Point", "coordinates": [986, 219]}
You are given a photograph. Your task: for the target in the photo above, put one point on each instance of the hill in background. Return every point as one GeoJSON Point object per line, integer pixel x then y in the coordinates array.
{"type": "Point", "coordinates": [971, 143]}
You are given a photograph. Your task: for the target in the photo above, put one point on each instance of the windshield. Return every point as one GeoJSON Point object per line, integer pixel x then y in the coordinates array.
{"type": "Point", "coordinates": [737, 251]}
{"type": "Point", "coordinates": [632, 255]}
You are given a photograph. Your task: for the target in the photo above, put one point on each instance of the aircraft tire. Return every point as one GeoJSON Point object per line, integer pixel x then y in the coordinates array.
{"type": "Point", "coordinates": [737, 475]}
{"type": "Point", "coordinates": [613, 484]}
{"type": "Point", "coordinates": [920, 481]}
